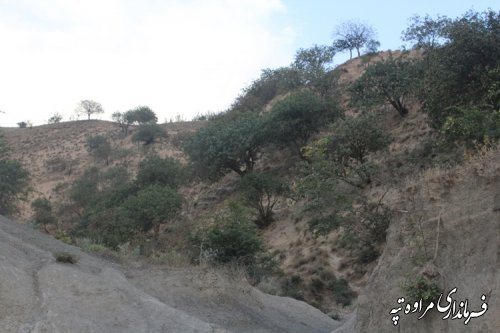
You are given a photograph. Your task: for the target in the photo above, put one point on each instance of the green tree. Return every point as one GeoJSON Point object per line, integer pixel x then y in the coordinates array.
{"type": "Point", "coordinates": [226, 145]}
{"type": "Point", "coordinates": [352, 139]}
{"type": "Point", "coordinates": [97, 198]}
{"type": "Point", "coordinates": [387, 81]}
{"type": "Point", "coordinates": [84, 191]}
{"type": "Point", "coordinates": [99, 147]}
{"type": "Point", "coordinates": [43, 214]}
{"type": "Point", "coordinates": [89, 108]}
{"type": "Point", "coordinates": [425, 32]}
{"type": "Point", "coordinates": [121, 119]}
{"type": "Point", "coordinates": [472, 125]}
{"type": "Point", "coordinates": [231, 238]}
{"type": "Point", "coordinates": [161, 171]}
{"type": "Point", "coordinates": [313, 63]}
{"type": "Point", "coordinates": [151, 207]}
{"type": "Point", "coordinates": [148, 134]}
{"type": "Point", "coordinates": [271, 83]}
{"type": "Point", "coordinates": [141, 115]}
{"type": "Point", "coordinates": [22, 124]}
{"type": "Point", "coordinates": [463, 74]}
{"type": "Point", "coordinates": [56, 118]}
{"type": "Point", "coordinates": [14, 180]}
{"type": "Point", "coordinates": [353, 35]}
{"type": "Point", "coordinates": [262, 191]}
{"type": "Point", "coordinates": [293, 120]}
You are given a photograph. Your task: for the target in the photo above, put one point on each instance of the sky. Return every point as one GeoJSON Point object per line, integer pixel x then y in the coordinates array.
{"type": "Point", "coordinates": [180, 58]}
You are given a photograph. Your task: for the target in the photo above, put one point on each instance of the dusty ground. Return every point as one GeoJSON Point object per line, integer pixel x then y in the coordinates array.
{"type": "Point", "coordinates": [463, 252]}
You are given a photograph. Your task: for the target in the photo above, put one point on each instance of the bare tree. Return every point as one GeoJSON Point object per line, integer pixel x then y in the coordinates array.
{"type": "Point", "coordinates": [89, 107]}
{"type": "Point", "coordinates": [352, 35]}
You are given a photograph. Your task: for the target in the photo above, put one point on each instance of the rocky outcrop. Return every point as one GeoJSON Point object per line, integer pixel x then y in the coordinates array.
{"type": "Point", "coordinates": [38, 294]}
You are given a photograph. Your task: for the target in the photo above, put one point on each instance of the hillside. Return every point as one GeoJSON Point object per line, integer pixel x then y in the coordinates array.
{"type": "Point", "coordinates": [347, 188]}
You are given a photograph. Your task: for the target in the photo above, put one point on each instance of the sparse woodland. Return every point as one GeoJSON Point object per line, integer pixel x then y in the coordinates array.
{"type": "Point", "coordinates": [290, 182]}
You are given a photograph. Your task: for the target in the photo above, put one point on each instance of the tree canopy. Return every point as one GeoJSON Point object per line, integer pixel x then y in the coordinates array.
{"type": "Point", "coordinates": [227, 145]}
{"type": "Point", "coordinates": [99, 147]}
{"type": "Point", "coordinates": [390, 81]}
{"type": "Point", "coordinates": [460, 89]}
{"type": "Point", "coordinates": [160, 171]}
{"type": "Point", "coordinates": [13, 185]}
{"type": "Point", "coordinates": [141, 115]}
{"type": "Point", "coordinates": [148, 134]}
{"type": "Point", "coordinates": [14, 180]}
{"type": "Point", "coordinates": [353, 35]}
{"type": "Point", "coordinates": [152, 206]}
{"type": "Point", "coordinates": [294, 119]}
{"type": "Point", "coordinates": [89, 108]}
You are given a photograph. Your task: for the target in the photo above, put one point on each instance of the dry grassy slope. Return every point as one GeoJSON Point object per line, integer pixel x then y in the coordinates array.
{"type": "Point", "coordinates": [36, 147]}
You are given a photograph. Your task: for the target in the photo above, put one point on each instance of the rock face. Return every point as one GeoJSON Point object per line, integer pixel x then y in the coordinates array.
{"type": "Point", "coordinates": [447, 228]}
{"type": "Point", "coordinates": [40, 295]}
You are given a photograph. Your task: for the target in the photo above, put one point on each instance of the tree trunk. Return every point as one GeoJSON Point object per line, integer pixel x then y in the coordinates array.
{"type": "Point", "coordinates": [403, 111]}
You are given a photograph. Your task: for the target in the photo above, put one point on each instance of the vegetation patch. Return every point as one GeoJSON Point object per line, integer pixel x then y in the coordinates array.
{"type": "Point", "coordinates": [65, 258]}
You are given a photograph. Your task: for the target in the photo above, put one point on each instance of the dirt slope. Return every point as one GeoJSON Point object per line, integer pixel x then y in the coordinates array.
{"type": "Point", "coordinates": [463, 252]}
{"type": "Point", "coordinates": [40, 295]}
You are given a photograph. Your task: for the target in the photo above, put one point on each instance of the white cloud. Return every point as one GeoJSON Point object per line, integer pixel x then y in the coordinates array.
{"type": "Point", "coordinates": [175, 56]}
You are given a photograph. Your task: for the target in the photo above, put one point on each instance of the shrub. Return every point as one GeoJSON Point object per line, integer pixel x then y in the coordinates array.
{"type": "Point", "coordinates": [56, 164]}
{"type": "Point", "coordinates": [262, 191]}
{"type": "Point", "coordinates": [107, 226]}
{"type": "Point", "coordinates": [148, 134]}
{"type": "Point", "coordinates": [353, 139]}
{"type": "Point", "coordinates": [13, 185]}
{"type": "Point", "coordinates": [419, 288]}
{"type": "Point", "coordinates": [231, 238]}
{"type": "Point", "coordinates": [272, 83]}
{"type": "Point", "coordinates": [99, 147]}
{"type": "Point", "coordinates": [323, 225]}
{"type": "Point", "coordinates": [84, 191]}
{"type": "Point", "coordinates": [293, 120]}
{"type": "Point", "coordinates": [55, 119]}
{"type": "Point", "coordinates": [66, 257]}
{"type": "Point", "coordinates": [161, 171]}
{"type": "Point", "coordinates": [342, 292]}
{"type": "Point", "coordinates": [388, 81]}
{"type": "Point", "coordinates": [461, 76]}
{"type": "Point", "coordinates": [327, 204]}
{"type": "Point", "coordinates": [4, 147]}
{"type": "Point", "coordinates": [43, 212]}
{"type": "Point", "coordinates": [472, 125]}
{"type": "Point", "coordinates": [292, 287]}
{"type": "Point", "coordinates": [349, 145]}
{"type": "Point", "coordinates": [151, 207]}
{"type": "Point", "coordinates": [226, 145]}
